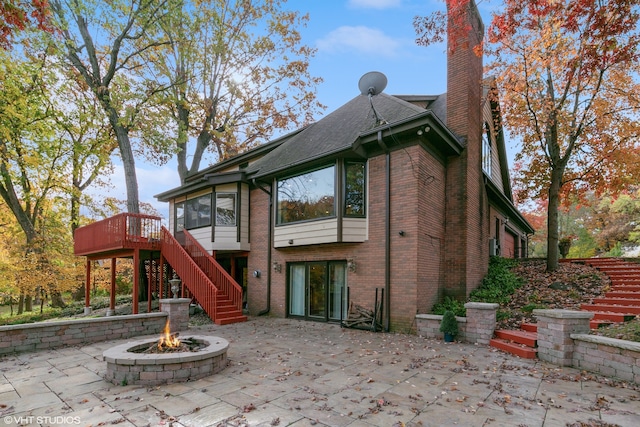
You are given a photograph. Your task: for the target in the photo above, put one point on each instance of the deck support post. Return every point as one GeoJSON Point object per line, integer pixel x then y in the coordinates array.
{"type": "Point", "coordinates": [112, 294]}
{"type": "Point", "coordinates": [150, 282]}
{"type": "Point", "coordinates": [136, 279]}
{"type": "Point", "coordinates": [87, 289]}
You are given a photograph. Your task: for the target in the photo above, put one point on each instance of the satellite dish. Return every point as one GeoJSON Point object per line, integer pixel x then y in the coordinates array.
{"type": "Point", "coordinates": [372, 83]}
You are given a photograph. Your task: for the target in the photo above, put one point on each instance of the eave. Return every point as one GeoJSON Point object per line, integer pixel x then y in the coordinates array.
{"type": "Point", "coordinates": [502, 202]}
{"type": "Point", "coordinates": [207, 180]}
{"type": "Point", "coordinates": [426, 126]}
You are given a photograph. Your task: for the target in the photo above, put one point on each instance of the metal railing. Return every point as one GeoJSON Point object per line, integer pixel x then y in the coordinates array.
{"type": "Point", "coordinates": [193, 277]}
{"type": "Point", "coordinates": [226, 285]}
{"type": "Point", "coordinates": [122, 231]}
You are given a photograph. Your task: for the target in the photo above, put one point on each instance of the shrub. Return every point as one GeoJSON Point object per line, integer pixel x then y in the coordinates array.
{"type": "Point", "coordinates": [499, 283]}
{"type": "Point", "coordinates": [450, 304]}
{"type": "Point", "coordinates": [449, 324]}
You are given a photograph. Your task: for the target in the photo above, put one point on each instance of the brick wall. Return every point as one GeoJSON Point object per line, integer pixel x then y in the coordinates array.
{"type": "Point", "coordinates": [417, 209]}
{"type": "Point", "coordinates": [50, 335]}
{"type": "Point", "coordinates": [564, 339]}
{"type": "Point", "coordinates": [466, 254]}
{"type": "Point", "coordinates": [607, 356]}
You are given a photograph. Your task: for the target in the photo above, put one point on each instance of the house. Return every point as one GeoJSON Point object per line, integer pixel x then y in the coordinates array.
{"type": "Point", "coordinates": [389, 203]}
{"type": "Point", "coordinates": [398, 199]}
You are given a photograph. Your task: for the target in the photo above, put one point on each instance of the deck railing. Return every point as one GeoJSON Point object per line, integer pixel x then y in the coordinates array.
{"type": "Point", "coordinates": [193, 277]}
{"type": "Point", "coordinates": [122, 231]}
{"type": "Point", "coordinates": [226, 285]}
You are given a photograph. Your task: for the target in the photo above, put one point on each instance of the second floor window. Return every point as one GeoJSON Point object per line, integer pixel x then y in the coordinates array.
{"type": "Point", "coordinates": [194, 213]}
{"type": "Point", "coordinates": [226, 209]}
{"type": "Point", "coordinates": [354, 189]}
{"type": "Point", "coordinates": [307, 196]}
{"type": "Point", "coordinates": [486, 150]}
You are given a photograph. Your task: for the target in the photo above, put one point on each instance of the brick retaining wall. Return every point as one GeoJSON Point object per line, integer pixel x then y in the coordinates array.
{"type": "Point", "coordinates": [607, 356]}
{"type": "Point", "coordinates": [476, 328]}
{"type": "Point", "coordinates": [50, 335]}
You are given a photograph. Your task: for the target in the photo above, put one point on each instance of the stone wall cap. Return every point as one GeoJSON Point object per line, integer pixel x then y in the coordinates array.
{"type": "Point", "coordinates": [174, 300]}
{"type": "Point", "coordinates": [81, 321]}
{"type": "Point", "coordinates": [563, 314]}
{"type": "Point", "coordinates": [482, 305]}
{"type": "Point", "coordinates": [614, 342]}
{"type": "Point", "coordinates": [438, 317]}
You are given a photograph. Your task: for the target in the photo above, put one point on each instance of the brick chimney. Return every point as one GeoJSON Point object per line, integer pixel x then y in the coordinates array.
{"type": "Point", "coordinates": [466, 257]}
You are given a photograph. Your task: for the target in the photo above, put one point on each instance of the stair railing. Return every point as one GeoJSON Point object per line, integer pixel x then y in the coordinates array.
{"type": "Point", "coordinates": [193, 277]}
{"type": "Point", "coordinates": [226, 285]}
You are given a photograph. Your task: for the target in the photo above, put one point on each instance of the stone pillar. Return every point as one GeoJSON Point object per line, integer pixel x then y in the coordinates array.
{"type": "Point", "coordinates": [555, 344]}
{"type": "Point", "coordinates": [178, 311]}
{"type": "Point", "coordinates": [481, 321]}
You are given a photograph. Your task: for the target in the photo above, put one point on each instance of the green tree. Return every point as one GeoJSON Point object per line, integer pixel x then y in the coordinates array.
{"type": "Point", "coordinates": [109, 45]}
{"type": "Point", "coordinates": [237, 72]}
{"type": "Point", "coordinates": [31, 158]}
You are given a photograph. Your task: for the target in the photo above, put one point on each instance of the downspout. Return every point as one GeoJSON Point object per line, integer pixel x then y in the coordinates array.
{"type": "Point", "coordinates": [269, 238]}
{"type": "Point", "coordinates": [387, 237]}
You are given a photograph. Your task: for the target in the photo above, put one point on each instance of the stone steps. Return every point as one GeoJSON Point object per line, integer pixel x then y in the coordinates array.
{"type": "Point", "coordinates": [621, 304]}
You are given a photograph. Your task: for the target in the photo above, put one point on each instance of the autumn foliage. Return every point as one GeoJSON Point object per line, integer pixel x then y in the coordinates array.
{"type": "Point", "coordinates": [17, 15]}
{"type": "Point", "coordinates": [567, 73]}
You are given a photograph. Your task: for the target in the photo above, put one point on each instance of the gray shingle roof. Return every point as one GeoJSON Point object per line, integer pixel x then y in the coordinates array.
{"type": "Point", "coordinates": [335, 132]}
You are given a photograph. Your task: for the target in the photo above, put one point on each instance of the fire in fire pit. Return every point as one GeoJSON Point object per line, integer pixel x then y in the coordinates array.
{"type": "Point", "coordinates": [170, 343]}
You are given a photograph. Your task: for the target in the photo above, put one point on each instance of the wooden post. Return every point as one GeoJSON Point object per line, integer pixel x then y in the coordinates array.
{"type": "Point", "coordinates": [136, 279]}
{"type": "Point", "coordinates": [149, 281]}
{"type": "Point", "coordinates": [87, 289]}
{"type": "Point", "coordinates": [112, 295]}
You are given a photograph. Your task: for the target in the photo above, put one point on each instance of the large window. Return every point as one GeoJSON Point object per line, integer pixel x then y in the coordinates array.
{"type": "Point", "coordinates": [317, 290]}
{"type": "Point", "coordinates": [226, 209]}
{"type": "Point", "coordinates": [354, 189]}
{"type": "Point", "coordinates": [193, 213]}
{"type": "Point", "coordinates": [307, 196]}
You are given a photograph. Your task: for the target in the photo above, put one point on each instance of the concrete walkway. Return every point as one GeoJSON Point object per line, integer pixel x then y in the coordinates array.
{"type": "Point", "coordinates": [287, 372]}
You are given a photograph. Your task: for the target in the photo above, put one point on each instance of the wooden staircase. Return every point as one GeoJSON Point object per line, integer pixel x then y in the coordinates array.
{"type": "Point", "coordinates": [620, 304]}
{"type": "Point", "coordinates": [206, 281]}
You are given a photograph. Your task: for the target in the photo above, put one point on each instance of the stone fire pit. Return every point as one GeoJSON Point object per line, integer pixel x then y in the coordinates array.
{"type": "Point", "coordinates": [124, 366]}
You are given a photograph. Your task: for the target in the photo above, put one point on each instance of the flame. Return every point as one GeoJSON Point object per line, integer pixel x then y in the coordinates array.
{"type": "Point", "coordinates": [167, 339]}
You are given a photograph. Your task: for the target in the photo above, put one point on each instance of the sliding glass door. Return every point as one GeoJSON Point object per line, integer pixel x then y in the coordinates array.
{"type": "Point", "coordinates": [317, 290]}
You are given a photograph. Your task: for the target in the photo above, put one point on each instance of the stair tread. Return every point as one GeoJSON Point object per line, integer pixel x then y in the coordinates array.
{"type": "Point", "coordinates": [518, 336]}
{"type": "Point", "coordinates": [614, 317]}
{"type": "Point", "coordinates": [517, 349]}
{"type": "Point", "coordinates": [612, 308]}
{"type": "Point", "coordinates": [633, 301]}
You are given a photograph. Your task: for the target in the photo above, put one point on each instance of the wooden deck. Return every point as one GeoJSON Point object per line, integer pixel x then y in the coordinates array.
{"type": "Point", "coordinates": [123, 232]}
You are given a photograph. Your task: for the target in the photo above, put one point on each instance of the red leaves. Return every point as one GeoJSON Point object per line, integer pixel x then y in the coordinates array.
{"type": "Point", "coordinates": [16, 16]}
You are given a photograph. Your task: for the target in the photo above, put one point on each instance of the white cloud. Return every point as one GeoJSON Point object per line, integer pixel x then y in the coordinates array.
{"type": "Point", "coordinates": [374, 4]}
{"type": "Point", "coordinates": [359, 39]}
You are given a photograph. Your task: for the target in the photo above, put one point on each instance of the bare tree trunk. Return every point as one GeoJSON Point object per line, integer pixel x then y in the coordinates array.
{"type": "Point", "coordinates": [28, 303]}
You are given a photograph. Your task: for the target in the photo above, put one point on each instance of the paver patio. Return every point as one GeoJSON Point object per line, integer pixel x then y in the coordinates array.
{"type": "Point", "coordinates": [290, 372]}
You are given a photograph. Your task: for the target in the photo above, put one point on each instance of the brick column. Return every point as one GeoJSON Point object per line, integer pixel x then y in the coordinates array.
{"type": "Point", "coordinates": [554, 329]}
{"type": "Point", "coordinates": [481, 321]}
{"type": "Point", "coordinates": [178, 311]}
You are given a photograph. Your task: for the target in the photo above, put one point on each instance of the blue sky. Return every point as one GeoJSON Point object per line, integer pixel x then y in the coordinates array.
{"type": "Point", "coordinates": [352, 37]}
